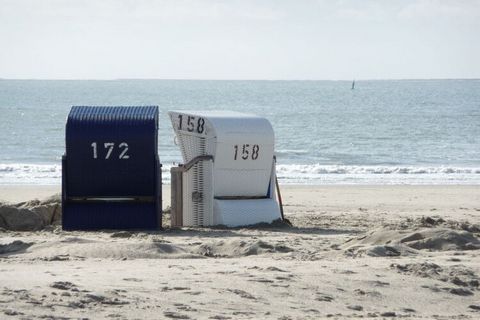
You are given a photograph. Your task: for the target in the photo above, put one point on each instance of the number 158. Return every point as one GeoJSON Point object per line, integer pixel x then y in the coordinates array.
{"type": "Point", "coordinates": [246, 151]}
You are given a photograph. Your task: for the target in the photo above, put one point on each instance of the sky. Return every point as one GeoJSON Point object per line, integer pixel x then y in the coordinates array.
{"type": "Point", "coordinates": [239, 39]}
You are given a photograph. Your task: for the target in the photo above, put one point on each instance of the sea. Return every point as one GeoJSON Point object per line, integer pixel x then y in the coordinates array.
{"type": "Point", "coordinates": [382, 132]}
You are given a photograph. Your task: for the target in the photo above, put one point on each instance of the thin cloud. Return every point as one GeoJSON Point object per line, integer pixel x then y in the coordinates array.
{"type": "Point", "coordinates": [213, 39]}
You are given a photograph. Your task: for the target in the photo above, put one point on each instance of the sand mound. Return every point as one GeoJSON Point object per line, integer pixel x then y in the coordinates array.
{"type": "Point", "coordinates": [138, 248]}
{"type": "Point", "coordinates": [381, 242]}
{"type": "Point", "coordinates": [384, 242]}
{"type": "Point", "coordinates": [14, 247]}
{"type": "Point", "coordinates": [439, 239]}
{"type": "Point", "coordinates": [434, 222]}
{"type": "Point", "coordinates": [463, 278]}
{"type": "Point", "coordinates": [75, 247]}
{"type": "Point", "coordinates": [378, 251]}
{"type": "Point", "coordinates": [239, 248]}
{"type": "Point", "coordinates": [31, 215]}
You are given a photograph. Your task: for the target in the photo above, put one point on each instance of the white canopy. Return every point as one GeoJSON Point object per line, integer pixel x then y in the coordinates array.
{"type": "Point", "coordinates": [242, 146]}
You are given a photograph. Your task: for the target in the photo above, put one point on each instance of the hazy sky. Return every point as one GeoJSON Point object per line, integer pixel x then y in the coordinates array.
{"type": "Point", "coordinates": [194, 39]}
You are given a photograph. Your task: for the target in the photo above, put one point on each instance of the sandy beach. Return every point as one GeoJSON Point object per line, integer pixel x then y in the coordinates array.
{"type": "Point", "coordinates": [352, 252]}
{"type": "Point", "coordinates": [365, 114]}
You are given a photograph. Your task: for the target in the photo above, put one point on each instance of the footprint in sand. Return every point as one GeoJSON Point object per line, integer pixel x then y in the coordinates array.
{"type": "Point", "coordinates": [454, 260]}
{"type": "Point", "coordinates": [175, 315]}
{"type": "Point", "coordinates": [361, 292]}
{"type": "Point", "coordinates": [324, 297]}
{"type": "Point", "coordinates": [275, 269]}
{"type": "Point", "coordinates": [433, 288]}
{"type": "Point", "coordinates": [261, 280]}
{"type": "Point", "coordinates": [345, 272]}
{"type": "Point", "coordinates": [184, 307]}
{"type": "Point", "coordinates": [114, 315]}
{"type": "Point", "coordinates": [60, 257]}
{"type": "Point", "coordinates": [242, 313]}
{"type": "Point", "coordinates": [460, 292]}
{"type": "Point", "coordinates": [98, 298]}
{"type": "Point", "coordinates": [75, 305]}
{"type": "Point", "coordinates": [174, 288]}
{"type": "Point", "coordinates": [132, 279]}
{"type": "Point", "coordinates": [118, 291]}
{"type": "Point", "coordinates": [226, 272]}
{"type": "Point", "coordinates": [282, 278]}
{"type": "Point", "coordinates": [355, 307]}
{"type": "Point", "coordinates": [311, 311]}
{"type": "Point", "coordinates": [242, 294]}
{"type": "Point", "coordinates": [378, 283]}
{"type": "Point", "coordinates": [64, 285]}
{"type": "Point", "coordinates": [10, 312]}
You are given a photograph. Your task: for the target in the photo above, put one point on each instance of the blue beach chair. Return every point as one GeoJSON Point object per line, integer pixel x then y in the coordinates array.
{"type": "Point", "coordinates": [111, 173]}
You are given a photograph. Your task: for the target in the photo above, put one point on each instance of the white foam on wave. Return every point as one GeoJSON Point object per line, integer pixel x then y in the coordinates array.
{"type": "Point", "coordinates": [339, 169]}
{"type": "Point", "coordinates": [25, 173]}
{"type": "Point", "coordinates": [313, 174]}
{"type": "Point", "coordinates": [44, 174]}
{"type": "Point", "coordinates": [340, 174]}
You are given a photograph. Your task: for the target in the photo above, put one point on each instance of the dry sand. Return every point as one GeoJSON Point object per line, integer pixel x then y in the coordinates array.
{"type": "Point", "coordinates": [353, 252]}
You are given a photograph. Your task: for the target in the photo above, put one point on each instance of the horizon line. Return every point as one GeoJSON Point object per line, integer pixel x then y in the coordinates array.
{"type": "Point", "coordinates": [206, 79]}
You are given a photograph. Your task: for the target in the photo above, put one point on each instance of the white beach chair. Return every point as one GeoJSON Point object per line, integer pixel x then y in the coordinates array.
{"type": "Point", "coordinates": [228, 177]}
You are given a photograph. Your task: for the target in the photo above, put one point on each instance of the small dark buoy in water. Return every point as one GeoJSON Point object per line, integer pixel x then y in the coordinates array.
{"type": "Point", "coordinates": [353, 84]}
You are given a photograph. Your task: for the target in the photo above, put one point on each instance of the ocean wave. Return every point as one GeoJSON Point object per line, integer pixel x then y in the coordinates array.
{"type": "Point", "coordinates": [318, 169]}
{"type": "Point", "coordinates": [28, 173]}
{"type": "Point", "coordinates": [21, 173]}
{"type": "Point", "coordinates": [315, 174]}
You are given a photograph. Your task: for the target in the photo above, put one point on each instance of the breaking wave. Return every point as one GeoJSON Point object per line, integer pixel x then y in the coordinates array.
{"type": "Point", "coordinates": [338, 174]}
{"type": "Point", "coordinates": [333, 169]}
{"type": "Point", "coordinates": [314, 174]}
